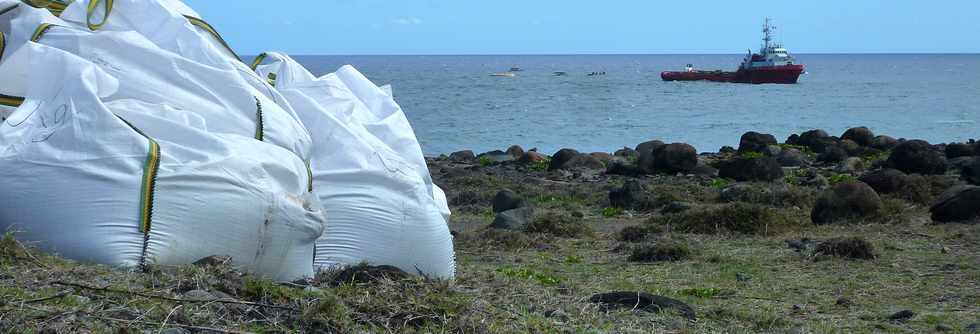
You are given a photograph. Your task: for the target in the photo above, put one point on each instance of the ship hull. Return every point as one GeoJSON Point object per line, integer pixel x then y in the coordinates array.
{"type": "Point", "coordinates": [786, 74]}
{"type": "Point", "coordinates": [716, 76]}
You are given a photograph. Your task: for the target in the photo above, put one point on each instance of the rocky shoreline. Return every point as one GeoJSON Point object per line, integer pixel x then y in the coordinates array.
{"type": "Point", "coordinates": [851, 171]}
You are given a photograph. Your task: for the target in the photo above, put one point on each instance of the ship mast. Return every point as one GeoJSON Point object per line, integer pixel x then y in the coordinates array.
{"type": "Point", "coordinates": [766, 34]}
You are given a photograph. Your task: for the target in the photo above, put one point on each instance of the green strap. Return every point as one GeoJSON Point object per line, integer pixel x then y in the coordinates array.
{"type": "Point", "coordinates": [258, 60]}
{"type": "Point", "coordinates": [3, 45]}
{"type": "Point", "coordinates": [259, 120]}
{"type": "Point", "coordinates": [207, 27]}
{"type": "Point", "coordinates": [11, 101]}
{"type": "Point", "coordinates": [40, 31]}
{"type": "Point", "coordinates": [309, 174]}
{"type": "Point", "coordinates": [90, 11]}
{"type": "Point", "coordinates": [150, 169]}
{"type": "Point", "coordinates": [48, 4]}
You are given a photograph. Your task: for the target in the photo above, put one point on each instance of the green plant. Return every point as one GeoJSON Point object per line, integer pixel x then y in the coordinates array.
{"type": "Point", "coordinates": [838, 178]}
{"type": "Point", "coordinates": [528, 274]}
{"type": "Point", "coordinates": [612, 212]}
{"type": "Point", "coordinates": [540, 166]}
{"type": "Point", "coordinates": [561, 225]}
{"type": "Point", "coordinates": [484, 161]}
{"type": "Point", "coordinates": [752, 155]}
{"type": "Point", "coordinates": [719, 183]}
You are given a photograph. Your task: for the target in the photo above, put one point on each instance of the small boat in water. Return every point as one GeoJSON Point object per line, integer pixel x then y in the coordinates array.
{"type": "Point", "coordinates": [772, 64]}
{"type": "Point", "coordinates": [503, 74]}
{"type": "Point", "coordinates": [560, 74]}
{"type": "Point", "coordinates": [516, 69]}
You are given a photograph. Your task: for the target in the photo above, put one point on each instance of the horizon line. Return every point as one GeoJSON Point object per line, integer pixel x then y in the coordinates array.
{"type": "Point", "coordinates": [622, 54]}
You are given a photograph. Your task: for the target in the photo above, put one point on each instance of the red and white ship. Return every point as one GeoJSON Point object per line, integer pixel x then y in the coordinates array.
{"type": "Point", "coordinates": [772, 64]}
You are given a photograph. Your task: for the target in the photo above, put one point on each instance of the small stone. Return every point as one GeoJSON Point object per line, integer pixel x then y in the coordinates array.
{"type": "Point", "coordinates": [213, 261]}
{"type": "Point", "coordinates": [844, 302]}
{"type": "Point", "coordinates": [557, 315]}
{"type": "Point", "coordinates": [902, 316]}
{"type": "Point", "coordinates": [742, 277]}
{"type": "Point", "coordinates": [945, 250]}
{"type": "Point", "coordinates": [943, 328]}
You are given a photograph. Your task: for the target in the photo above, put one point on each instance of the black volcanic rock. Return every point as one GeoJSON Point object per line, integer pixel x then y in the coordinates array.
{"type": "Point", "coordinates": [959, 203]}
{"type": "Point", "coordinates": [755, 142]}
{"type": "Point", "coordinates": [846, 200]}
{"type": "Point", "coordinates": [751, 169]}
{"type": "Point", "coordinates": [860, 135]}
{"type": "Point", "coordinates": [561, 157]}
{"type": "Point", "coordinates": [917, 156]}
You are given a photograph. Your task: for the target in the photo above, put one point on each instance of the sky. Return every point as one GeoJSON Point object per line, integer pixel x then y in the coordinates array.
{"type": "Point", "coordinates": [368, 27]}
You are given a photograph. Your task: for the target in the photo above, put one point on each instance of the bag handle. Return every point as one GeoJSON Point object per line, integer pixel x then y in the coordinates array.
{"type": "Point", "coordinates": [40, 31]}
{"type": "Point", "coordinates": [92, 6]}
{"type": "Point", "coordinates": [214, 33]}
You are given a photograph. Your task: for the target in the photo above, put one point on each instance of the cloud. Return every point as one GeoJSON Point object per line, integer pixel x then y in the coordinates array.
{"type": "Point", "coordinates": [407, 21]}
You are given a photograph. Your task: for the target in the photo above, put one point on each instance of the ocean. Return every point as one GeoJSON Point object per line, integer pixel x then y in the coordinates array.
{"type": "Point", "coordinates": [454, 104]}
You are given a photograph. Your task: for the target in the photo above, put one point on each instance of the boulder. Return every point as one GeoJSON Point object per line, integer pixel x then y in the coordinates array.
{"type": "Point", "coordinates": [755, 142]}
{"type": "Point", "coordinates": [634, 300]}
{"type": "Point", "coordinates": [626, 152]}
{"type": "Point", "coordinates": [584, 162]}
{"type": "Point", "coordinates": [704, 170]}
{"type": "Point", "coordinates": [751, 169]}
{"type": "Point", "coordinates": [675, 158]}
{"type": "Point", "coordinates": [561, 157]}
{"type": "Point", "coordinates": [727, 150]}
{"type": "Point", "coordinates": [793, 139]}
{"type": "Point", "coordinates": [846, 200]}
{"type": "Point", "coordinates": [507, 199]}
{"type": "Point", "coordinates": [971, 171]}
{"type": "Point", "coordinates": [960, 203]}
{"type": "Point", "coordinates": [602, 156]}
{"type": "Point", "coordinates": [675, 207]}
{"type": "Point", "coordinates": [956, 150]}
{"type": "Point", "coordinates": [860, 135]}
{"type": "Point", "coordinates": [516, 151]}
{"type": "Point", "coordinates": [832, 155]}
{"type": "Point", "coordinates": [647, 147]}
{"type": "Point", "coordinates": [885, 181]}
{"type": "Point", "coordinates": [816, 140]}
{"type": "Point", "coordinates": [619, 167]}
{"type": "Point", "coordinates": [463, 156]}
{"type": "Point", "coordinates": [514, 219]}
{"type": "Point", "coordinates": [532, 157]}
{"type": "Point", "coordinates": [790, 157]}
{"type": "Point", "coordinates": [851, 147]}
{"type": "Point", "coordinates": [884, 143]}
{"type": "Point", "coordinates": [632, 196]}
{"type": "Point", "coordinates": [917, 156]}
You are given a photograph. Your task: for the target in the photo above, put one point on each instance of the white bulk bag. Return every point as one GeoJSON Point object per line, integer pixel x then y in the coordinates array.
{"type": "Point", "coordinates": [128, 182]}
{"type": "Point", "coordinates": [163, 77]}
{"type": "Point", "coordinates": [380, 200]}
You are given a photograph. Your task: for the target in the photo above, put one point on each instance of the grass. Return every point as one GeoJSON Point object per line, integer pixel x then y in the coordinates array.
{"type": "Point", "coordinates": [733, 218]}
{"type": "Point", "coordinates": [540, 166]}
{"type": "Point", "coordinates": [541, 282]}
{"type": "Point", "coordinates": [559, 225]}
{"type": "Point", "coordinates": [838, 178]}
{"type": "Point", "coordinates": [662, 250]}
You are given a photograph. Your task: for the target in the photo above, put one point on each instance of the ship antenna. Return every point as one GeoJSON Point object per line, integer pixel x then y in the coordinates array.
{"type": "Point", "coordinates": [766, 34]}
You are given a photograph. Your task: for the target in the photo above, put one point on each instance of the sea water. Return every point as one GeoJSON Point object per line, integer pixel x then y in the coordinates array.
{"type": "Point", "coordinates": [453, 103]}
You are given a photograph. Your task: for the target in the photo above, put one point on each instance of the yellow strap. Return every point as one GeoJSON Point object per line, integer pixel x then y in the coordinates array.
{"type": "Point", "coordinates": [92, 5]}
{"type": "Point", "coordinates": [150, 169]}
{"type": "Point", "coordinates": [258, 60]}
{"type": "Point", "coordinates": [49, 4]}
{"type": "Point", "coordinates": [41, 29]}
{"type": "Point", "coordinates": [207, 27]}
{"type": "Point", "coordinates": [3, 44]}
{"type": "Point", "coordinates": [11, 101]}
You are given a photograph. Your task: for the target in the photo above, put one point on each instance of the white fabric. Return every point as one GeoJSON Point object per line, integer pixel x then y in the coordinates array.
{"type": "Point", "coordinates": [398, 217]}
{"type": "Point", "coordinates": [72, 170]}
{"type": "Point", "coordinates": [71, 174]}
